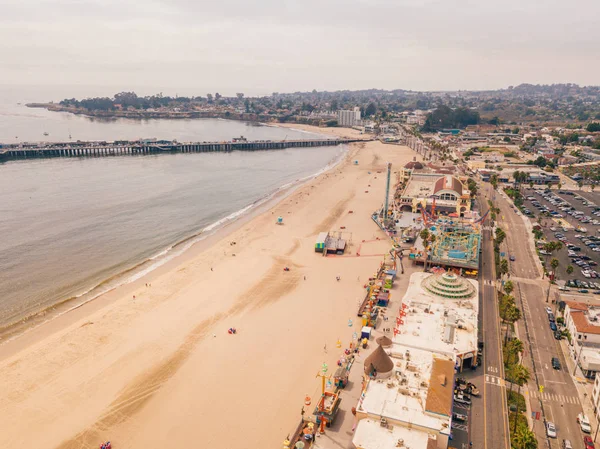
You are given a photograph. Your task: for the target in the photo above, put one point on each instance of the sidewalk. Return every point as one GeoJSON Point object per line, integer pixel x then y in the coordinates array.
{"type": "Point", "coordinates": [584, 386]}
{"type": "Point", "coordinates": [340, 434]}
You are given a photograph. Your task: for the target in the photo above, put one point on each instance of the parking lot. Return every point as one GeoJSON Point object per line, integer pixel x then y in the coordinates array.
{"type": "Point", "coordinates": [574, 220]}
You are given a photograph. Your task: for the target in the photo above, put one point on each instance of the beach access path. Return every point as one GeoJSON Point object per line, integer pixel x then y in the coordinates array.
{"type": "Point", "coordinates": [160, 370]}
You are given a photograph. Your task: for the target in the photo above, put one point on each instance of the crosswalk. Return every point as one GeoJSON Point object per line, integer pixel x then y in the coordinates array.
{"type": "Point", "coordinates": [494, 380]}
{"type": "Point", "coordinates": [488, 282]}
{"type": "Point", "coordinates": [561, 398]}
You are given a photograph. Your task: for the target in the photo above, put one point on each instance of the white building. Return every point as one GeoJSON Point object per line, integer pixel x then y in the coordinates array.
{"type": "Point", "coordinates": [439, 314]}
{"type": "Point", "coordinates": [349, 118]}
{"type": "Point", "coordinates": [416, 401]}
{"type": "Point", "coordinates": [583, 323]}
{"type": "Point", "coordinates": [435, 335]}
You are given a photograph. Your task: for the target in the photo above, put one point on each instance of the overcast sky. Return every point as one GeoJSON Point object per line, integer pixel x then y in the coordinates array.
{"type": "Point", "coordinates": [262, 46]}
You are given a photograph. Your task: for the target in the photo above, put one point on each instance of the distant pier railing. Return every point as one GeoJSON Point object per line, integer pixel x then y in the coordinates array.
{"type": "Point", "coordinates": [99, 149]}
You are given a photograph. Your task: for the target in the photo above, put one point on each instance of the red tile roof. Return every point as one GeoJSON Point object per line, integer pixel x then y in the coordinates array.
{"type": "Point", "coordinates": [582, 324]}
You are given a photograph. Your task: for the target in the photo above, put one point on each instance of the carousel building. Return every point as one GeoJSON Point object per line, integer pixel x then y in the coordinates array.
{"type": "Point", "coordinates": [449, 194]}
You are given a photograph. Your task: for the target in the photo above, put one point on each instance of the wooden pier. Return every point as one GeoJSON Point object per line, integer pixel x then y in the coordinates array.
{"type": "Point", "coordinates": [118, 148]}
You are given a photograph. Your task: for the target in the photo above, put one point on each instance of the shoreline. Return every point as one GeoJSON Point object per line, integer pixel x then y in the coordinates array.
{"type": "Point", "coordinates": [119, 366]}
{"type": "Point", "coordinates": [163, 115]}
{"type": "Point", "coordinates": [22, 325]}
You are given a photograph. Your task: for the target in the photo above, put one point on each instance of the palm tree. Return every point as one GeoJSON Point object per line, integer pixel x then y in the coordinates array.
{"type": "Point", "coordinates": [554, 263]}
{"type": "Point", "coordinates": [513, 349]}
{"type": "Point", "coordinates": [512, 315]}
{"type": "Point", "coordinates": [521, 377]}
{"type": "Point", "coordinates": [503, 267]}
{"type": "Point", "coordinates": [494, 181]}
{"type": "Point", "coordinates": [524, 439]}
{"type": "Point", "coordinates": [500, 236]}
{"type": "Point", "coordinates": [509, 287]}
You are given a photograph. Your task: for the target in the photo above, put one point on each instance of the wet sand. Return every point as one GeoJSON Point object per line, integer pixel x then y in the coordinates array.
{"type": "Point", "coordinates": [161, 370]}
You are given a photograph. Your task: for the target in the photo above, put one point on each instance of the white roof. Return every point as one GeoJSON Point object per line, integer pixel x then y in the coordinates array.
{"type": "Point", "coordinates": [429, 318]}
{"type": "Point", "coordinates": [403, 396]}
{"type": "Point", "coordinates": [370, 435]}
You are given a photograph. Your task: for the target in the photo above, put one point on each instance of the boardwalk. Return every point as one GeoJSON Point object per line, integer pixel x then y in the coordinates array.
{"type": "Point", "coordinates": [100, 149]}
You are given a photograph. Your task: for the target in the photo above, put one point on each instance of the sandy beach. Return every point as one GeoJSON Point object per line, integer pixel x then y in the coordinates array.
{"type": "Point", "coordinates": [151, 365]}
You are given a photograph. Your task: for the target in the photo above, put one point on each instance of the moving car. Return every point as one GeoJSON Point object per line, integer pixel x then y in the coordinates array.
{"type": "Point", "coordinates": [567, 444]}
{"type": "Point", "coordinates": [512, 258]}
{"type": "Point", "coordinates": [550, 430]}
{"type": "Point", "coordinates": [555, 363]}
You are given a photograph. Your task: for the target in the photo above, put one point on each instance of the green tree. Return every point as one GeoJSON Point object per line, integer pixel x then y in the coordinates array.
{"type": "Point", "coordinates": [494, 181]}
{"type": "Point", "coordinates": [424, 234]}
{"type": "Point", "coordinates": [524, 439]}
{"type": "Point", "coordinates": [593, 127]}
{"type": "Point", "coordinates": [570, 269]}
{"type": "Point", "coordinates": [503, 267]}
{"type": "Point", "coordinates": [500, 236]}
{"type": "Point", "coordinates": [370, 110]}
{"type": "Point", "coordinates": [509, 287]}
{"type": "Point", "coordinates": [520, 376]}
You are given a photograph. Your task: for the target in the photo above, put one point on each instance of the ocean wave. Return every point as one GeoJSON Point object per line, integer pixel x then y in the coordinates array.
{"type": "Point", "coordinates": [159, 259]}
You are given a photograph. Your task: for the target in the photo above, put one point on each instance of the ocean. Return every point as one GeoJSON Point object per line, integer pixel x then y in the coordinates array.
{"type": "Point", "coordinates": [74, 227]}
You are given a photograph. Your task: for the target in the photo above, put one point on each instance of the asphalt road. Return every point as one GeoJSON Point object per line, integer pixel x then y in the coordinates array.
{"type": "Point", "coordinates": [559, 402]}
{"type": "Point", "coordinates": [494, 408]}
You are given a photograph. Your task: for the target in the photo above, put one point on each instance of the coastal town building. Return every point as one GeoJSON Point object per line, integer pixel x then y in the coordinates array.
{"type": "Point", "coordinates": [583, 322]}
{"type": "Point", "coordinates": [416, 399]}
{"type": "Point", "coordinates": [349, 118]}
{"type": "Point", "coordinates": [440, 315]}
{"type": "Point", "coordinates": [410, 403]}
{"type": "Point", "coordinates": [448, 192]}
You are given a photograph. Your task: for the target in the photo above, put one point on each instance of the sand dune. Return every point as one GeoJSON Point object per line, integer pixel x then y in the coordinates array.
{"type": "Point", "coordinates": [161, 371]}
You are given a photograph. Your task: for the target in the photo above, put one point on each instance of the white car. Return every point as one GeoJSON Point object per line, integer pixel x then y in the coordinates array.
{"type": "Point", "coordinates": [584, 423]}
{"type": "Point", "coordinates": [548, 310]}
{"type": "Point", "coordinates": [551, 430]}
{"type": "Point", "coordinates": [586, 273]}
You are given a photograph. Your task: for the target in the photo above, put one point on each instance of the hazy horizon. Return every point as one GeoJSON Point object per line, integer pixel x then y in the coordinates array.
{"type": "Point", "coordinates": [183, 47]}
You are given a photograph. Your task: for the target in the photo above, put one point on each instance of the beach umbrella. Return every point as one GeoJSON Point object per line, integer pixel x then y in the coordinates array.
{"type": "Point", "coordinates": [339, 343]}
{"type": "Point", "coordinates": [300, 445]}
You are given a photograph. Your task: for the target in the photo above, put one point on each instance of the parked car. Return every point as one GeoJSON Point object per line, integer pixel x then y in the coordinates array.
{"type": "Point", "coordinates": [558, 335]}
{"type": "Point", "coordinates": [548, 310]}
{"type": "Point", "coordinates": [512, 258]}
{"type": "Point", "coordinates": [584, 423]}
{"type": "Point", "coordinates": [587, 441]}
{"type": "Point", "coordinates": [462, 399]}
{"type": "Point", "coordinates": [553, 326]}
{"type": "Point", "coordinates": [551, 318]}
{"type": "Point", "coordinates": [459, 417]}
{"type": "Point", "coordinates": [555, 363]}
{"type": "Point", "coordinates": [550, 430]}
